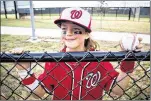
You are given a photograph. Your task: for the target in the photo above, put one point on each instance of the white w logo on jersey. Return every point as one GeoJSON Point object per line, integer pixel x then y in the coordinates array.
{"type": "Point", "coordinates": [93, 79]}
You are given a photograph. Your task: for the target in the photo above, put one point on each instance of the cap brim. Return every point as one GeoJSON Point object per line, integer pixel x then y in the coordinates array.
{"type": "Point", "coordinates": [58, 21]}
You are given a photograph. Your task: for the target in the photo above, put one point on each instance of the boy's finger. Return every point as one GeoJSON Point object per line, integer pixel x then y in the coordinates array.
{"type": "Point", "coordinates": [17, 51]}
{"type": "Point", "coordinates": [140, 46]}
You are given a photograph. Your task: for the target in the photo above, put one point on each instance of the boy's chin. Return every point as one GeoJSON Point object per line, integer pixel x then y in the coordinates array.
{"type": "Point", "coordinates": [71, 48]}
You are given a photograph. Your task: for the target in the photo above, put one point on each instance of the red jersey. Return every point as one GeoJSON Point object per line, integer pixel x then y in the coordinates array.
{"type": "Point", "coordinates": [78, 81]}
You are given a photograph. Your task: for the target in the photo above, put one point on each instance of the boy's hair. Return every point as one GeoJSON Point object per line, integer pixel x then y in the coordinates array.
{"type": "Point", "coordinates": [91, 45]}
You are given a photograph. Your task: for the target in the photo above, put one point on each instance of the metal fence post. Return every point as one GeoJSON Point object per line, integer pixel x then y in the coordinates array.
{"type": "Point", "coordinates": [32, 21]}
{"type": "Point", "coordinates": [15, 6]}
{"type": "Point", "coordinates": [4, 2]}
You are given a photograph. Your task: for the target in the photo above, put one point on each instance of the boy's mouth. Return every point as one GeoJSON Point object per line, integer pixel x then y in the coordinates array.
{"type": "Point", "coordinates": [70, 39]}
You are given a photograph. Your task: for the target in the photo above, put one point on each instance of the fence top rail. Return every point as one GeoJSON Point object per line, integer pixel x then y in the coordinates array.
{"type": "Point", "coordinates": [92, 56]}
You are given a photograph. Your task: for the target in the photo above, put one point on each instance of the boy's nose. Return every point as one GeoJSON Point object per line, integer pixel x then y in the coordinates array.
{"type": "Point", "coordinates": [69, 32]}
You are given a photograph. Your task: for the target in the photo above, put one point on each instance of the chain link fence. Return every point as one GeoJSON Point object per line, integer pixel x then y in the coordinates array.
{"type": "Point", "coordinates": [12, 88]}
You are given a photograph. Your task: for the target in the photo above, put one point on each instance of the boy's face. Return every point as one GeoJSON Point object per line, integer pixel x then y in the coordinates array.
{"type": "Point", "coordinates": [73, 36]}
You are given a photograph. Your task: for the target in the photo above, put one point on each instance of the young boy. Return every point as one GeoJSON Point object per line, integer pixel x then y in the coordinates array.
{"type": "Point", "coordinates": [72, 80]}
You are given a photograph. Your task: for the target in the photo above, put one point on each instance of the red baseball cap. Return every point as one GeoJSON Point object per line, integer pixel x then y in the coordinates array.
{"type": "Point", "coordinates": [77, 15]}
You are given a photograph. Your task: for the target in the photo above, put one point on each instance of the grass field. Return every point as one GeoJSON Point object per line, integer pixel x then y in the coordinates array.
{"type": "Point", "coordinates": [10, 84]}
{"type": "Point", "coordinates": [99, 23]}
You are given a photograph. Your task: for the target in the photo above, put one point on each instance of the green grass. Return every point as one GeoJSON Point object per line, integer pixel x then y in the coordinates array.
{"type": "Point", "coordinates": [122, 26]}
{"type": "Point", "coordinates": [99, 23]}
{"type": "Point", "coordinates": [9, 42]}
{"type": "Point", "coordinates": [27, 23]}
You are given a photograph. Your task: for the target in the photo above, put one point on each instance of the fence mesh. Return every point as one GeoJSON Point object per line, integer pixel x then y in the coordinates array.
{"type": "Point", "coordinates": [12, 88]}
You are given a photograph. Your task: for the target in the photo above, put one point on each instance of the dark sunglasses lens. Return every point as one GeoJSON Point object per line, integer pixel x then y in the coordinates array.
{"type": "Point", "coordinates": [77, 32]}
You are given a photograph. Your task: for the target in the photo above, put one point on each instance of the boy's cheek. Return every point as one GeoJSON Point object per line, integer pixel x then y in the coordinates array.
{"type": "Point", "coordinates": [62, 39]}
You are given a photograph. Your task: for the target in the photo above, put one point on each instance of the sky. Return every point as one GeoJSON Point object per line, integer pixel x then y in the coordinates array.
{"type": "Point", "coordinates": [129, 3]}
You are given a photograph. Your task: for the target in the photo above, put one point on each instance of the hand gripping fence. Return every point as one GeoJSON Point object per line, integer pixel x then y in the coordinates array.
{"type": "Point", "coordinates": [12, 88]}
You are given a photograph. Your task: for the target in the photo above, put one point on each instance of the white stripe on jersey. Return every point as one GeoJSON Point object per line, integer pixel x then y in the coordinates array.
{"type": "Point", "coordinates": [81, 78]}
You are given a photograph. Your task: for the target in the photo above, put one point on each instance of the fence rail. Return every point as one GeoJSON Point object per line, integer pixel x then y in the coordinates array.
{"type": "Point", "coordinates": [76, 56]}
{"type": "Point", "coordinates": [139, 88]}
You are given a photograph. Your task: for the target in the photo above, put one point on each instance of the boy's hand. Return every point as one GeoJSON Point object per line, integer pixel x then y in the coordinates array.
{"type": "Point", "coordinates": [131, 42]}
{"type": "Point", "coordinates": [17, 51]}
{"type": "Point", "coordinates": [21, 65]}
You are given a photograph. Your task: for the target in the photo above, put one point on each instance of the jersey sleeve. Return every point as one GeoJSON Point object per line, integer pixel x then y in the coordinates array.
{"type": "Point", "coordinates": [47, 77]}
{"type": "Point", "coordinates": [110, 75]}
{"type": "Point", "coordinates": [127, 66]}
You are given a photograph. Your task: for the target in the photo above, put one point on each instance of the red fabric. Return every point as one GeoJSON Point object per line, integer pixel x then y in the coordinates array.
{"type": "Point", "coordinates": [61, 77]}
{"type": "Point", "coordinates": [47, 76]}
{"type": "Point", "coordinates": [74, 82]}
{"type": "Point", "coordinates": [63, 49]}
{"type": "Point", "coordinates": [111, 75]}
{"type": "Point", "coordinates": [29, 80]}
{"type": "Point", "coordinates": [127, 66]}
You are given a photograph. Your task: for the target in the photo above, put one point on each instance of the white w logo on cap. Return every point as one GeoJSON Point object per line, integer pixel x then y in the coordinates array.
{"type": "Point", "coordinates": [76, 14]}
